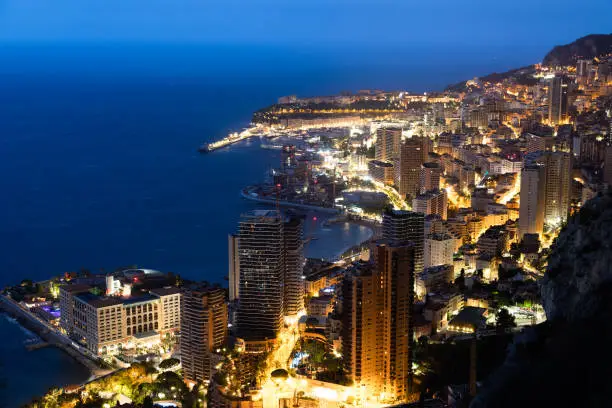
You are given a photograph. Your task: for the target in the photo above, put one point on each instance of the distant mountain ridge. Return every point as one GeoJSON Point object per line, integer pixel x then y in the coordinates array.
{"type": "Point", "coordinates": [587, 47]}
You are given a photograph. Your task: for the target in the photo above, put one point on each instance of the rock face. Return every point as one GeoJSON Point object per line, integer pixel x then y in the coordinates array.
{"type": "Point", "coordinates": [586, 47]}
{"type": "Point", "coordinates": [580, 263]}
{"type": "Point", "coordinates": [566, 361]}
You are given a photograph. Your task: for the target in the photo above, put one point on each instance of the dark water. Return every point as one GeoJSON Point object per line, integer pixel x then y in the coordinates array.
{"type": "Point", "coordinates": [24, 374]}
{"type": "Point", "coordinates": [98, 161]}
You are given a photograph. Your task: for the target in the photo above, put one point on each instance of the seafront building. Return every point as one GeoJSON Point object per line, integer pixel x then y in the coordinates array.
{"type": "Point", "coordinates": [261, 252]}
{"type": "Point", "coordinates": [111, 324]}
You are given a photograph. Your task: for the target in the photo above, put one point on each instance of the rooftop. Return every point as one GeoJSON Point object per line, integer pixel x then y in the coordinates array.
{"type": "Point", "coordinates": [98, 301]}
{"type": "Point", "coordinates": [168, 290]}
{"type": "Point", "coordinates": [76, 288]}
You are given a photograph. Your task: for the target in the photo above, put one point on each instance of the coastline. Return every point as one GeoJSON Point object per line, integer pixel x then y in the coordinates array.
{"type": "Point", "coordinates": [34, 325]}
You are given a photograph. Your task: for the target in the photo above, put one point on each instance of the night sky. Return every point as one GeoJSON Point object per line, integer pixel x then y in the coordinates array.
{"type": "Point", "coordinates": [313, 22]}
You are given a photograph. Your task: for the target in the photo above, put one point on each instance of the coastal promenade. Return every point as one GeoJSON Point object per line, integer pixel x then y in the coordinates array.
{"type": "Point", "coordinates": [49, 334]}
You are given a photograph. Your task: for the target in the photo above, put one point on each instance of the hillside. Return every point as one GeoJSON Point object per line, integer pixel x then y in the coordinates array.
{"type": "Point", "coordinates": [588, 47]}
{"type": "Point", "coordinates": [567, 361]}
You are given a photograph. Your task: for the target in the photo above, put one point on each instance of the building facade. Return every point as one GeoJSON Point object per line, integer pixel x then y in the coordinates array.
{"type": "Point", "coordinates": [203, 329]}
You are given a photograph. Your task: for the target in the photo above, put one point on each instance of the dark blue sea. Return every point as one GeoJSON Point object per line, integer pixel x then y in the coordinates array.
{"type": "Point", "coordinates": [98, 154]}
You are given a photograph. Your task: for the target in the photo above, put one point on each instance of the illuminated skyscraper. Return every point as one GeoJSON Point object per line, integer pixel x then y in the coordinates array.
{"type": "Point", "coordinates": [531, 211]}
{"type": "Point", "coordinates": [429, 177]}
{"type": "Point", "coordinates": [431, 202]}
{"type": "Point", "coordinates": [261, 252]}
{"type": "Point", "coordinates": [203, 328]}
{"type": "Point", "coordinates": [557, 101]}
{"type": "Point", "coordinates": [558, 169]}
{"type": "Point", "coordinates": [387, 143]}
{"type": "Point", "coordinates": [402, 227]}
{"type": "Point", "coordinates": [294, 265]}
{"type": "Point", "coordinates": [545, 191]}
{"type": "Point", "coordinates": [234, 267]}
{"type": "Point", "coordinates": [377, 322]}
{"type": "Point", "coordinates": [412, 154]}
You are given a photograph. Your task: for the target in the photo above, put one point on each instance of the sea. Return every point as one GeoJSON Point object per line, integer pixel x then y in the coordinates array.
{"type": "Point", "coordinates": [99, 166]}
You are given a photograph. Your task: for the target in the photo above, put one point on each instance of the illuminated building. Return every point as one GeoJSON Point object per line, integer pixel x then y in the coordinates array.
{"type": "Point", "coordinates": [479, 118]}
{"type": "Point", "coordinates": [234, 268]}
{"type": "Point", "coordinates": [377, 322]}
{"type": "Point", "coordinates": [531, 211]}
{"type": "Point", "coordinates": [557, 101]}
{"type": "Point", "coordinates": [66, 296]}
{"type": "Point", "coordinates": [432, 202]}
{"type": "Point", "coordinates": [261, 254]}
{"type": "Point", "coordinates": [387, 143]}
{"type": "Point", "coordinates": [494, 241]}
{"type": "Point", "coordinates": [438, 250]}
{"type": "Point", "coordinates": [400, 227]}
{"type": "Point", "coordinates": [271, 259]}
{"type": "Point", "coordinates": [429, 177]}
{"type": "Point", "coordinates": [583, 70]}
{"type": "Point", "coordinates": [203, 329]}
{"type": "Point", "coordinates": [294, 265]}
{"type": "Point", "coordinates": [437, 277]}
{"type": "Point", "coordinates": [381, 171]}
{"type": "Point", "coordinates": [445, 143]}
{"type": "Point", "coordinates": [412, 154]}
{"type": "Point", "coordinates": [108, 324]}
{"type": "Point", "coordinates": [556, 182]}
{"type": "Point", "coordinates": [539, 142]}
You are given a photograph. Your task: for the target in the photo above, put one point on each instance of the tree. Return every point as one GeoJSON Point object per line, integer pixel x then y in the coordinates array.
{"type": "Point", "coordinates": [504, 320]}
{"type": "Point", "coordinates": [147, 402]}
{"type": "Point", "coordinates": [169, 363]}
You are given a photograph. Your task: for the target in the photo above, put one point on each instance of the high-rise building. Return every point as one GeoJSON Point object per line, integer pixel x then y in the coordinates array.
{"type": "Point", "coordinates": [557, 101]}
{"type": "Point", "coordinates": [558, 169]}
{"type": "Point", "coordinates": [439, 250]}
{"type": "Point", "coordinates": [381, 171]}
{"type": "Point", "coordinates": [203, 329]}
{"type": "Point", "coordinates": [294, 265]}
{"type": "Point", "coordinates": [531, 211]}
{"type": "Point", "coordinates": [401, 227]}
{"type": "Point", "coordinates": [429, 178]}
{"type": "Point", "coordinates": [377, 322]}
{"type": "Point", "coordinates": [387, 143]}
{"type": "Point", "coordinates": [413, 152]}
{"type": "Point", "coordinates": [583, 70]}
{"type": "Point", "coordinates": [234, 267]}
{"type": "Point", "coordinates": [261, 252]}
{"type": "Point", "coordinates": [432, 202]}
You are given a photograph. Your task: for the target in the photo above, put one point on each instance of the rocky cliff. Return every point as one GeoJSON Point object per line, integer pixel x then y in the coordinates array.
{"type": "Point", "coordinates": [566, 361]}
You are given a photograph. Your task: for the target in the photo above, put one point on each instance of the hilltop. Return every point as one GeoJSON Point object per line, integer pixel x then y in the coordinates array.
{"type": "Point", "coordinates": [587, 47]}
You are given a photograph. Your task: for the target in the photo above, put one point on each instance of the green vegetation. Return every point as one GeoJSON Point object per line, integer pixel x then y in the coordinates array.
{"type": "Point", "coordinates": [140, 382]}
{"type": "Point", "coordinates": [504, 320]}
{"type": "Point", "coordinates": [169, 363]}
